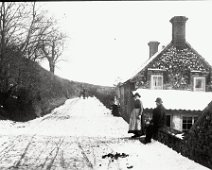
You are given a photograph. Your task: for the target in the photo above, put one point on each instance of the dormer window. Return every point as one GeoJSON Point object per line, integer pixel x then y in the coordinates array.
{"type": "Point", "coordinates": [156, 81]}
{"type": "Point", "coordinates": [199, 84]}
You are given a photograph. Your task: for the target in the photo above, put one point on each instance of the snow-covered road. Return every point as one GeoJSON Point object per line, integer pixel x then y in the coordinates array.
{"type": "Point", "coordinates": [82, 135]}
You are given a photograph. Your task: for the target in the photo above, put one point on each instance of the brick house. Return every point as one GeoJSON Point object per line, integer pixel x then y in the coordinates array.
{"type": "Point", "coordinates": [176, 66]}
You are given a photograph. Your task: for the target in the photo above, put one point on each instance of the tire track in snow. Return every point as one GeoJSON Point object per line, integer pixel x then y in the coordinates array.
{"type": "Point", "coordinates": [62, 159]}
{"type": "Point", "coordinates": [45, 165]}
{"type": "Point", "coordinates": [70, 156]}
{"type": "Point", "coordinates": [24, 153]}
{"type": "Point", "coordinates": [91, 149]}
{"type": "Point", "coordinates": [40, 154]}
{"type": "Point", "coordinates": [49, 166]}
{"type": "Point", "coordinates": [89, 164]}
{"type": "Point", "coordinates": [95, 148]}
{"type": "Point", "coordinates": [8, 148]}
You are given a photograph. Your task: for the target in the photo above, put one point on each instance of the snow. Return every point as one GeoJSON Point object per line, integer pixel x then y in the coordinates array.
{"type": "Point", "coordinates": [180, 136]}
{"type": "Point", "coordinates": [77, 135]}
{"type": "Point", "coordinates": [176, 99]}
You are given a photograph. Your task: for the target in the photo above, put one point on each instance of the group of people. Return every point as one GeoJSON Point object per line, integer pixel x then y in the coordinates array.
{"type": "Point", "coordinates": [84, 93]}
{"type": "Point", "coordinates": [137, 125]}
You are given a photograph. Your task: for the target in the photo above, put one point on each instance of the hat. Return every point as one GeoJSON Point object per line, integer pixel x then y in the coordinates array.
{"type": "Point", "coordinates": [136, 94]}
{"type": "Point", "coordinates": [159, 100]}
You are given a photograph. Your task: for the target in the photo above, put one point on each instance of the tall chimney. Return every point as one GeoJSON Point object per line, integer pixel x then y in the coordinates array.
{"type": "Point", "coordinates": [153, 48]}
{"type": "Point", "coordinates": [178, 31]}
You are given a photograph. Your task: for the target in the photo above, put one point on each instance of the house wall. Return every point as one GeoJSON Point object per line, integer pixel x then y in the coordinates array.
{"type": "Point", "coordinates": [177, 122]}
{"type": "Point", "coordinates": [121, 101]}
{"type": "Point", "coordinates": [176, 117]}
{"type": "Point", "coordinates": [126, 106]}
{"type": "Point", "coordinates": [178, 66]}
{"type": "Point", "coordinates": [126, 100]}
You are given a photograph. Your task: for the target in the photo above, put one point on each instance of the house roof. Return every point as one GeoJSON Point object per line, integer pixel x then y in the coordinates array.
{"type": "Point", "coordinates": [145, 64]}
{"type": "Point", "coordinates": [175, 99]}
{"type": "Point", "coordinates": [202, 58]}
{"type": "Point", "coordinates": [133, 74]}
{"type": "Point", "coordinates": [150, 60]}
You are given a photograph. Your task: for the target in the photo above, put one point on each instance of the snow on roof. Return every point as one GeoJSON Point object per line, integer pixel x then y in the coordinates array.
{"type": "Point", "coordinates": [175, 99]}
{"type": "Point", "coordinates": [134, 73]}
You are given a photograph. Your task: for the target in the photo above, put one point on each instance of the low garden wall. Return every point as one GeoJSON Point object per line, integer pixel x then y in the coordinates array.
{"type": "Point", "coordinates": [170, 138]}
{"type": "Point", "coordinates": [197, 143]}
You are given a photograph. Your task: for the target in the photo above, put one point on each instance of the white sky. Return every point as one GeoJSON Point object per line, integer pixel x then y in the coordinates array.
{"type": "Point", "coordinates": [108, 39]}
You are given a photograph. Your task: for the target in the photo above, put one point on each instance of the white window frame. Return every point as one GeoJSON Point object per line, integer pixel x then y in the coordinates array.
{"type": "Point", "coordinates": [202, 79]}
{"type": "Point", "coordinates": [157, 76]}
{"type": "Point", "coordinates": [192, 121]}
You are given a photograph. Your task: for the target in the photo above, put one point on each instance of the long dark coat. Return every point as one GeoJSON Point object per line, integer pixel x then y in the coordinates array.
{"type": "Point", "coordinates": [159, 116]}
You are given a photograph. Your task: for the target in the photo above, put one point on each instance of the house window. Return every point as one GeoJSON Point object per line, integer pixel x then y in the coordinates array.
{"type": "Point", "coordinates": [199, 83]}
{"type": "Point", "coordinates": [156, 82]}
{"type": "Point", "coordinates": [188, 121]}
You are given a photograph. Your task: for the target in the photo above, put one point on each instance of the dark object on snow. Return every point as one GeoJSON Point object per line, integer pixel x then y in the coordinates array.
{"type": "Point", "coordinates": [129, 167]}
{"type": "Point", "coordinates": [144, 141]}
{"type": "Point", "coordinates": [115, 156]}
{"type": "Point", "coordinates": [115, 107]}
{"type": "Point", "coordinates": [115, 110]}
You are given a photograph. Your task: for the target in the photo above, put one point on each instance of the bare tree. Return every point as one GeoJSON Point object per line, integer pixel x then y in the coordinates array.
{"type": "Point", "coordinates": [27, 30]}
{"type": "Point", "coordinates": [22, 29]}
{"type": "Point", "coordinates": [52, 48]}
{"type": "Point", "coordinates": [39, 29]}
{"type": "Point", "coordinates": [9, 21]}
{"type": "Point", "coordinates": [23, 26]}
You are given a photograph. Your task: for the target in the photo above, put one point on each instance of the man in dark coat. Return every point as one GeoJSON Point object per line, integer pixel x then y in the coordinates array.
{"type": "Point", "coordinates": [157, 122]}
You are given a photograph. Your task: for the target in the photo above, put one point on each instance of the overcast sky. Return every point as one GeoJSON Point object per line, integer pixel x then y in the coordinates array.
{"type": "Point", "coordinates": [108, 39]}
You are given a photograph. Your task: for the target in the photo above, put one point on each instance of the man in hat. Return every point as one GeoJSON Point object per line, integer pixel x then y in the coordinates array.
{"type": "Point", "coordinates": [157, 122]}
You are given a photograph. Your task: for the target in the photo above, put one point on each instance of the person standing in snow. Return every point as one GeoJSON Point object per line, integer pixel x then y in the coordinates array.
{"type": "Point", "coordinates": [157, 122]}
{"type": "Point", "coordinates": [135, 126]}
{"type": "Point", "coordinates": [84, 93]}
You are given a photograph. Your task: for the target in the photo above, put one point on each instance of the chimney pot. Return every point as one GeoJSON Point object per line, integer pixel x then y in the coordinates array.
{"type": "Point", "coordinates": [178, 31]}
{"type": "Point", "coordinates": [153, 48]}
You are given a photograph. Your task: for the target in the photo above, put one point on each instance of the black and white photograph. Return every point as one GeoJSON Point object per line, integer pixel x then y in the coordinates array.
{"type": "Point", "coordinates": [106, 85]}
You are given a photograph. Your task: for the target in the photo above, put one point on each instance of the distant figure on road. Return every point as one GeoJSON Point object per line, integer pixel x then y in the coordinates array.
{"type": "Point", "coordinates": [157, 122]}
{"type": "Point", "coordinates": [135, 117]}
{"type": "Point", "coordinates": [84, 93]}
